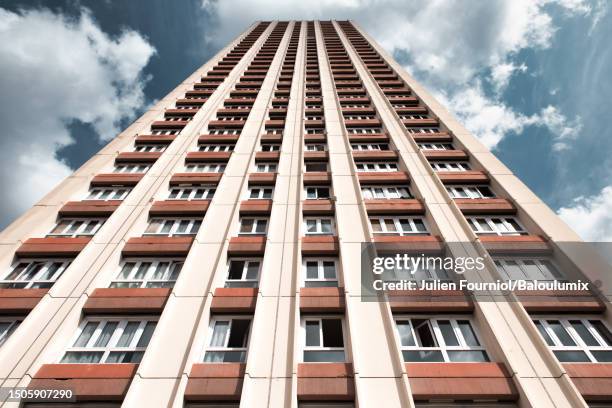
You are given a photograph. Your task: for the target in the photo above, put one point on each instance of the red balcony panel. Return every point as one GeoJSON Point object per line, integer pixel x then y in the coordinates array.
{"type": "Point", "coordinates": [516, 244]}
{"type": "Point", "coordinates": [376, 137]}
{"type": "Point", "coordinates": [322, 300]}
{"type": "Point", "coordinates": [52, 246]}
{"type": "Point", "coordinates": [267, 156]}
{"type": "Point", "coordinates": [362, 123]}
{"type": "Point", "coordinates": [20, 301]}
{"type": "Point", "coordinates": [158, 246]}
{"type": "Point", "coordinates": [429, 244]}
{"type": "Point", "coordinates": [461, 381]}
{"type": "Point", "coordinates": [445, 154]}
{"type": "Point", "coordinates": [382, 155]}
{"type": "Point", "coordinates": [325, 382]}
{"type": "Point", "coordinates": [428, 301]}
{"type": "Point", "coordinates": [558, 301]}
{"type": "Point", "coordinates": [365, 111]}
{"type": "Point", "coordinates": [88, 382]}
{"type": "Point", "coordinates": [594, 381]}
{"type": "Point", "coordinates": [277, 124]}
{"type": "Point", "coordinates": [271, 138]}
{"type": "Point", "coordinates": [234, 300]}
{"type": "Point", "coordinates": [315, 124]}
{"type": "Point", "coordinates": [318, 207]}
{"type": "Point", "coordinates": [195, 178]}
{"type": "Point", "coordinates": [485, 206]}
{"type": "Point", "coordinates": [154, 139]}
{"type": "Point", "coordinates": [387, 177]}
{"type": "Point", "coordinates": [316, 156]}
{"type": "Point", "coordinates": [127, 301]}
{"type": "Point", "coordinates": [169, 124]}
{"type": "Point", "coordinates": [404, 99]}
{"type": "Point", "coordinates": [137, 157]}
{"type": "Point", "coordinates": [215, 382]}
{"type": "Point", "coordinates": [470, 176]}
{"type": "Point", "coordinates": [181, 112]}
{"type": "Point", "coordinates": [320, 245]}
{"type": "Point", "coordinates": [317, 178]}
{"type": "Point", "coordinates": [226, 124]}
{"type": "Point", "coordinates": [262, 179]}
{"type": "Point", "coordinates": [318, 138]}
{"type": "Point", "coordinates": [247, 246]}
{"type": "Point", "coordinates": [203, 157]}
{"type": "Point", "coordinates": [227, 139]}
{"type": "Point", "coordinates": [89, 208]}
{"type": "Point", "coordinates": [411, 110]}
{"type": "Point", "coordinates": [395, 206]}
{"type": "Point", "coordinates": [420, 122]}
{"type": "Point", "coordinates": [432, 137]}
{"type": "Point", "coordinates": [256, 207]}
{"type": "Point", "coordinates": [116, 179]}
{"type": "Point", "coordinates": [185, 101]}
{"type": "Point", "coordinates": [179, 207]}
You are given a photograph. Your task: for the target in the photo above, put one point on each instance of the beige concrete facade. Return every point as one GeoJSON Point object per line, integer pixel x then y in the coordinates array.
{"type": "Point", "coordinates": [521, 370]}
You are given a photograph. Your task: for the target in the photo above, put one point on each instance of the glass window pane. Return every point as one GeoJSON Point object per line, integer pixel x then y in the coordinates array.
{"type": "Point", "coordinates": [146, 335]}
{"type": "Point", "coordinates": [86, 334]}
{"type": "Point", "coordinates": [405, 333]}
{"type": "Point", "coordinates": [236, 269]}
{"type": "Point", "coordinates": [544, 333]}
{"type": "Point", "coordinates": [239, 333]}
{"type": "Point", "coordinates": [467, 356]}
{"type": "Point", "coordinates": [312, 270]}
{"type": "Point", "coordinates": [332, 333]}
{"type": "Point", "coordinates": [128, 334]}
{"type": "Point", "coordinates": [105, 336]}
{"type": "Point", "coordinates": [603, 331]}
{"type": "Point", "coordinates": [425, 337]}
{"type": "Point", "coordinates": [561, 333]}
{"type": "Point", "coordinates": [312, 333]}
{"type": "Point", "coordinates": [574, 356]}
{"type": "Point", "coordinates": [584, 333]}
{"type": "Point", "coordinates": [219, 333]}
{"type": "Point", "coordinates": [422, 356]}
{"type": "Point", "coordinates": [447, 333]}
{"type": "Point", "coordinates": [252, 270]}
{"type": "Point", "coordinates": [468, 333]}
{"type": "Point", "coordinates": [329, 270]}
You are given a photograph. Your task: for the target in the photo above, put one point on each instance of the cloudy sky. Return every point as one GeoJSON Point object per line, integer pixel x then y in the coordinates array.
{"type": "Point", "coordinates": [531, 79]}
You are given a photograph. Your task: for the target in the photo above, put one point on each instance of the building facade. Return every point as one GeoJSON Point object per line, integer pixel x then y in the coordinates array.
{"type": "Point", "coordinates": [210, 255]}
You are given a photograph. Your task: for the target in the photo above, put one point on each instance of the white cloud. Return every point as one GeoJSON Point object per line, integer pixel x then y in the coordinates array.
{"type": "Point", "coordinates": [501, 73]}
{"type": "Point", "coordinates": [54, 70]}
{"type": "Point", "coordinates": [591, 217]}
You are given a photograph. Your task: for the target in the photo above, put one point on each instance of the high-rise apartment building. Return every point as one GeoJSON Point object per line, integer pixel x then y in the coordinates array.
{"type": "Point", "coordinates": [210, 255]}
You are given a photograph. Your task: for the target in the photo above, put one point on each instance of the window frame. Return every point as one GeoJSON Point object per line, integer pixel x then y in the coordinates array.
{"type": "Point", "coordinates": [449, 166]}
{"type": "Point", "coordinates": [256, 222]}
{"type": "Point", "coordinates": [316, 192]}
{"type": "Point", "coordinates": [555, 273]}
{"type": "Point", "coordinates": [211, 332]}
{"type": "Point", "coordinates": [261, 193]}
{"type": "Point", "coordinates": [378, 167]}
{"type": "Point", "coordinates": [386, 192]}
{"type": "Point", "coordinates": [13, 324]}
{"type": "Point", "coordinates": [209, 192]}
{"type": "Point", "coordinates": [320, 271]}
{"type": "Point", "coordinates": [111, 191]}
{"type": "Point", "coordinates": [436, 146]}
{"type": "Point", "coordinates": [150, 147]}
{"type": "Point", "coordinates": [472, 191]}
{"type": "Point", "coordinates": [472, 221]}
{"type": "Point", "coordinates": [131, 168]}
{"type": "Point", "coordinates": [266, 167]}
{"type": "Point", "coordinates": [210, 167]}
{"type": "Point", "coordinates": [175, 225]}
{"type": "Point", "coordinates": [174, 263]}
{"type": "Point", "coordinates": [216, 147]}
{"type": "Point", "coordinates": [97, 222]}
{"type": "Point", "coordinates": [245, 269]}
{"type": "Point", "coordinates": [319, 223]}
{"type": "Point", "coordinates": [398, 226]}
{"type": "Point", "coordinates": [320, 318]}
{"type": "Point", "coordinates": [35, 281]}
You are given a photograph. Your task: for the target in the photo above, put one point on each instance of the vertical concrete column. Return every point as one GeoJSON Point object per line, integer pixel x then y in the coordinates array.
{"type": "Point", "coordinates": [507, 330]}
{"type": "Point", "coordinates": [370, 335]}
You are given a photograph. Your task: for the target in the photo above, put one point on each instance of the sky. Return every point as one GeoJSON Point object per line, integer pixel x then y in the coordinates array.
{"type": "Point", "coordinates": [531, 79]}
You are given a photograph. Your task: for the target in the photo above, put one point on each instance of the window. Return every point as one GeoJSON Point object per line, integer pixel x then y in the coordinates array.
{"type": "Point", "coordinates": [315, 147]}
{"type": "Point", "coordinates": [224, 131]}
{"type": "Point", "coordinates": [323, 339]}
{"type": "Point", "coordinates": [253, 226]}
{"type": "Point", "coordinates": [470, 191]}
{"type": "Point", "coordinates": [243, 273]}
{"type": "Point", "coordinates": [229, 340]}
{"type": "Point", "coordinates": [255, 193]}
{"type": "Point", "coordinates": [197, 192]}
{"type": "Point", "coordinates": [76, 227]}
{"type": "Point", "coordinates": [7, 327]}
{"type": "Point", "coordinates": [496, 226]}
{"type": "Point", "coordinates": [541, 269]}
{"type": "Point", "coordinates": [326, 405]}
{"type": "Point", "coordinates": [274, 131]}
{"type": "Point", "coordinates": [423, 130]}
{"type": "Point", "coordinates": [317, 192]}
{"type": "Point", "coordinates": [148, 273]}
{"type": "Point", "coordinates": [270, 147]}
{"type": "Point", "coordinates": [450, 166]}
{"type": "Point", "coordinates": [413, 117]}
{"type": "Point", "coordinates": [165, 132]}
{"type": "Point", "coordinates": [376, 167]}
{"type": "Point", "coordinates": [173, 226]}
{"type": "Point", "coordinates": [320, 272]}
{"type": "Point", "coordinates": [384, 192]}
{"type": "Point", "coordinates": [216, 147]}
{"type": "Point", "coordinates": [369, 146]}
{"type": "Point", "coordinates": [315, 166]}
{"type": "Point", "coordinates": [577, 339]}
{"type": "Point", "coordinates": [265, 167]}
{"type": "Point", "coordinates": [439, 339]}
{"type": "Point", "coordinates": [423, 273]}
{"type": "Point", "coordinates": [146, 148]}
{"type": "Point", "coordinates": [314, 131]}
{"type": "Point", "coordinates": [108, 193]}
{"type": "Point", "coordinates": [398, 225]}
{"type": "Point", "coordinates": [357, 131]}
{"type": "Point", "coordinates": [131, 168]}
{"type": "Point", "coordinates": [319, 226]}
{"type": "Point", "coordinates": [205, 168]}
{"type": "Point", "coordinates": [34, 274]}
{"type": "Point", "coordinates": [107, 340]}
{"type": "Point", "coordinates": [435, 146]}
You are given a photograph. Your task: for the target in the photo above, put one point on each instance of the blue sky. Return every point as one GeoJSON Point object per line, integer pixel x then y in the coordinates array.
{"type": "Point", "coordinates": [531, 79]}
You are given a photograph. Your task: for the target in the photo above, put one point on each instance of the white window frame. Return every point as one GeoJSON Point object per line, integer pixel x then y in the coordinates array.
{"type": "Point", "coordinates": [205, 167]}
{"type": "Point", "coordinates": [256, 222]}
{"type": "Point", "coordinates": [384, 192]}
{"type": "Point", "coordinates": [450, 166]}
{"type": "Point", "coordinates": [84, 223]}
{"type": "Point", "coordinates": [192, 192]}
{"type": "Point", "coordinates": [265, 167]}
{"type": "Point", "coordinates": [193, 224]}
{"type": "Point", "coordinates": [545, 269]}
{"type": "Point", "coordinates": [167, 280]}
{"type": "Point", "coordinates": [360, 147]}
{"type": "Point", "coordinates": [471, 191]}
{"type": "Point", "coordinates": [150, 147]}
{"type": "Point", "coordinates": [542, 324]}
{"type": "Point", "coordinates": [376, 167]}
{"type": "Point", "coordinates": [131, 168]}
{"type": "Point", "coordinates": [245, 269]}
{"type": "Point", "coordinates": [315, 191]}
{"type": "Point", "coordinates": [423, 129]}
{"type": "Point", "coordinates": [108, 193]}
{"type": "Point", "coordinates": [413, 116]}
{"type": "Point", "coordinates": [319, 223]}
{"type": "Point", "coordinates": [8, 325]}
{"type": "Point", "coordinates": [306, 164]}
{"type": "Point", "coordinates": [165, 132]}
{"type": "Point", "coordinates": [320, 261]}
{"type": "Point", "coordinates": [233, 132]}
{"type": "Point", "coordinates": [270, 147]}
{"type": "Point", "coordinates": [221, 349]}
{"type": "Point", "coordinates": [364, 130]}
{"type": "Point", "coordinates": [381, 220]}
{"type": "Point", "coordinates": [215, 147]}
{"type": "Point", "coordinates": [435, 146]}
{"type": "Point", "coordinates": [111, 345]}
{"type": "Point", "coordinates": [321, 347]}
{"type": "Point", "coordinates": [315, 147]}
{"type": "Point", "coordinates": [433, 323]}
{"type": "Point", "coordinates": [259, 193]}
{"type": "Point", "coordinates": [24, 279]}
{"type": "Point", "coordinates": [505, 222]}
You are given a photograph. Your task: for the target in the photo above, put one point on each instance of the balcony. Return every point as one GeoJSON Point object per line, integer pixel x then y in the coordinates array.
{"type": "Point", "coordinates": [116, 179]}
{"type": "Point", "coordinates": [195, 178]}
{"type": "Point", "coordinates": [485, 206]}
{"type": "Point", "coordinates": [322, 300]}
{"type": "Point", "coordinates": [324, 245]}
{"type": "Point", "coordinates": [127, 301]}
{"type": "Point", "coordinates": [179, 208]}
{"type": "Point", "coordinates": [89, 208]}
{"type": "Point", "coordinates": [256, 207]}
{"type": "Point", "coordinates": [215, 382]}
{"type": "Point", "coordinates": [387, 177]}
{"type": "Point", "coordinates": [52, 246]}
{"type": "Point", "coordinates": [234, 300]}
{"type": "Point", "coordinates": [325, 382]}
{"type": "Point", "coordinates": [204, 157]}
{"type": "Point", "coordinates": [158, 246]}
{"type": "Point", "coordinates": [463, 177]}
{"type": "Point", "coordinates": [394, 206]}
